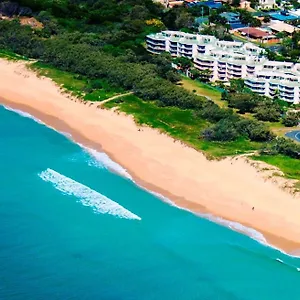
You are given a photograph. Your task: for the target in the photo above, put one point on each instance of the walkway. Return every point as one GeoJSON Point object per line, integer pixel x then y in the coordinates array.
{"type": "Point", "coordinates": [114, 97]}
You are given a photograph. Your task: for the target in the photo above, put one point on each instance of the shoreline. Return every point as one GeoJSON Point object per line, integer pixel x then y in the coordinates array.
{"type": "Point", "coordinates": [95, 133]}
{"type": "Point", "coordinates": [196, 209]}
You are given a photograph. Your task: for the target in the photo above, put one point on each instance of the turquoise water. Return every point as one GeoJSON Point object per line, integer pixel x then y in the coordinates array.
{"type": "Point", "coordinates": [72, 229]}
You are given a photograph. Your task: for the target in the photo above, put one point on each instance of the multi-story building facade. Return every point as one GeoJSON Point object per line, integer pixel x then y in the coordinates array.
{"type": "Point", "coordinates": [232, 60]}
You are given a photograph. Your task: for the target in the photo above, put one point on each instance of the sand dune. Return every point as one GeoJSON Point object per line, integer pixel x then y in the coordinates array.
{"type": "Point", "coordinates": [229, 188]}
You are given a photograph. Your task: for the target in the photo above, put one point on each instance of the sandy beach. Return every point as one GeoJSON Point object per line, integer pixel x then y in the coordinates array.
{"type": "Point", "coordinates": [229, 188]}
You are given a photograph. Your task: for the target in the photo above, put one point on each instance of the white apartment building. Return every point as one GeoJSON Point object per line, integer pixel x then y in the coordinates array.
{"type": "Point", "coordinates": [266, 4]}
{"type": "Point", "coordinates": [231, 60]}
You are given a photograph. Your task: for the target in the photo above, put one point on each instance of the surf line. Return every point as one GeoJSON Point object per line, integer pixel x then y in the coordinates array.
{"type": "Point", "coordinates": [86, 196]}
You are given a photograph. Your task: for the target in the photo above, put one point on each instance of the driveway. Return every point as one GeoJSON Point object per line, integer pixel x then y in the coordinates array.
{"type": "Point", "coordinates": [295, 135]}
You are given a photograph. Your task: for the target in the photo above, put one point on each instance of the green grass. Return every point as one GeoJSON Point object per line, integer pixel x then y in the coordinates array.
{"type": "Point", "coordinates": [78, 86]}
{"type": "Point", "coordinates": [11, 56]}
{"type": "Point", "coordinates": [203, 89]}
{"type": "Point", "coordinates": [180, 124]}
{"type": "Point", "coordinates": [289, 166]}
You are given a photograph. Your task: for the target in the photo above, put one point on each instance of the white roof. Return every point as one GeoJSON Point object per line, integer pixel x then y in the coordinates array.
{"type": "Point", "coordinates": [295, 12]}
{"type": "Point", "coordinates": [278, 63]}
{"type": "Point", "coordinates": [281, 26]}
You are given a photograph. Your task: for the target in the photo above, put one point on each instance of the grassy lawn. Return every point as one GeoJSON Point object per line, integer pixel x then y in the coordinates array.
{"type": "Point", "coordinates": [11, 56]}
{"type": "Point", "coordinates": [289, 166]}
{"type": "Point", "coordinates": [77, 85]}
{"type": "Point", "coordinates": [279, 129]}
{"type": "Point", "coordinates": [180, 124]}
{"type": "Point", "coordinates": [203, 90]}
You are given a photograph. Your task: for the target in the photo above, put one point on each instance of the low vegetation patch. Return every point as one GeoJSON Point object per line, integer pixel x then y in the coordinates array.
{"type": "Point", "coordinates": [289, 166]}
{"type": "Point", "coordinates": [77, 85]}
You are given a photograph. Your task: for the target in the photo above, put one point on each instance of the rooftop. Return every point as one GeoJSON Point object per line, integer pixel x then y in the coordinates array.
{"type": "Point", "coordinates": [282, 16]}
{"type": "Point", "coordinates": [254, 32]}
{"type": "Point", "coordinates": [280, 26]}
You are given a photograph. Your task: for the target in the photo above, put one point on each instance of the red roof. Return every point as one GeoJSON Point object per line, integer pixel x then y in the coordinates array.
{"type": "Point", "coordinates": [254, 32]}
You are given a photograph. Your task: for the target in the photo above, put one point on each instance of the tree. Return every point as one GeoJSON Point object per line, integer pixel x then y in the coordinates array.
{"type": "Point", "coordinates": [236, 3]}
{"type": "Point", "coordinates": [236, 85]}
{"type": "Point", "coordinates": [287, 147]}
{"type": "Point", "coordinates": [204, 75]}
{"type": "Point", "coordinates": [223, 131]}
{"type": "Point", "coordinates": [243, 102]}
{"type": "Point", "coordinates": [291, 119]}
{"type": "Point", "coordinates": [177, 18]}
{"type": "Point", "coordinates": [267, 19]}
{"type": "Point", "coordinates": [267, 111]}
{"type": "Point", "coordinates": [194, 73]}
{"type": "Point", "coordinates": [183, 63]}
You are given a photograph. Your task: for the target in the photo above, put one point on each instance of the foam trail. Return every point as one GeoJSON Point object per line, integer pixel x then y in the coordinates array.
{"type": "Point", "coordinates": [254, 234]}
{"type": "Point", "coordinates": [24, 114]}
{"type": "Point", "coordinates": [87, 196]}
{"type": "Point", "coordinates": [102, 160]}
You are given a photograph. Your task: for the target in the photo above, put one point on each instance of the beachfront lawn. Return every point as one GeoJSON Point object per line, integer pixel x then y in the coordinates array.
{"type": "Point", "coordinates": [180, 124]}
{"type": "Point", "coordinates": [11, 56]}
{"type": "Point", "coordinates": [289, 166]}
{"type": "Point", "coordinates": [203, 89]}
{"type": "Point", "coordinates": [77, 85]}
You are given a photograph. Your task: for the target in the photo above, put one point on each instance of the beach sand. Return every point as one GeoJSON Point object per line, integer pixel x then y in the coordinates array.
{"type": "Point", "coordinates": [229, 188]}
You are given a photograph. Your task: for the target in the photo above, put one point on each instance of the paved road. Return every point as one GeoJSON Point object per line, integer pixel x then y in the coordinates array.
{"type": "Point", "coordinates": [295, 135]}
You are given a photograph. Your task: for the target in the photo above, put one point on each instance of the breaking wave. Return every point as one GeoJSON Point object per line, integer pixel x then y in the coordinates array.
{"type": "Point", "coordinates": [85, 195]}
{"type": "Point", "coordinates": [24, 114]}
{"type": "Point", "coordinates": [102, 160]}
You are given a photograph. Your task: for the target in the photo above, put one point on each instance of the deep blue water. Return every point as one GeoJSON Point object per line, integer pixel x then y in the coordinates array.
{"type": "Point", "coordinates": [72, 229]}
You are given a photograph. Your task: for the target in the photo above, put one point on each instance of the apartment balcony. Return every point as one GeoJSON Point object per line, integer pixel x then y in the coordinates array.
{"type": "Point", "coordinates": [204, 62]}
{"type": "Point", "coordinates": [174, 52]}
{"type": "Point", "coordinates": [190, 56]}
{"type": "Point", "coordinates": [286, 92]}
{"type": "Point", "coordinates": [234, 68]}
{"type": "Point", "coordinates": [254, 82]}
{"type": "Point", "coordinates": [234, 76]}
{"type": "Point", "coordinates": [186, 50]}
{"type": "Point", "coordinates": [204, 67]}
{"type": "Point", "coordinates": [156, 42]}
{"type": "Point", "coordinates": [156, 48]}
{"type": "Point", "coordinates": [188, 47]}
{"type": "Point", "coordinates": [234, 72]}
{"type": "Point", "coordinates": [286, 88]}
{"type": "Point", "coordinates": [287, 98]}
{"type": "Point", "coordinates": [155, 51]}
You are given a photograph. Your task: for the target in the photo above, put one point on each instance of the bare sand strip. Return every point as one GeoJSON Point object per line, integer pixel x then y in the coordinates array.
{"type": "Point", "coordinates": [227, 188]}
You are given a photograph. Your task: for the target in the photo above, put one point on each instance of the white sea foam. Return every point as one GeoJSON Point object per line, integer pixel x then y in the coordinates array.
{"type": "Point", "coordinates": [254, 234]}
{"type": "Point", "coordinates": [87, 196]}
{"type": "Point", "coordinates": [24, 114]}
{"type": "Point", "coordinates": [102, 160]}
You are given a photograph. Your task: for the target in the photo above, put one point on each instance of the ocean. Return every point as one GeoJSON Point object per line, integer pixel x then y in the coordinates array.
{"type": "Point", "coordinates": [74, 225]}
